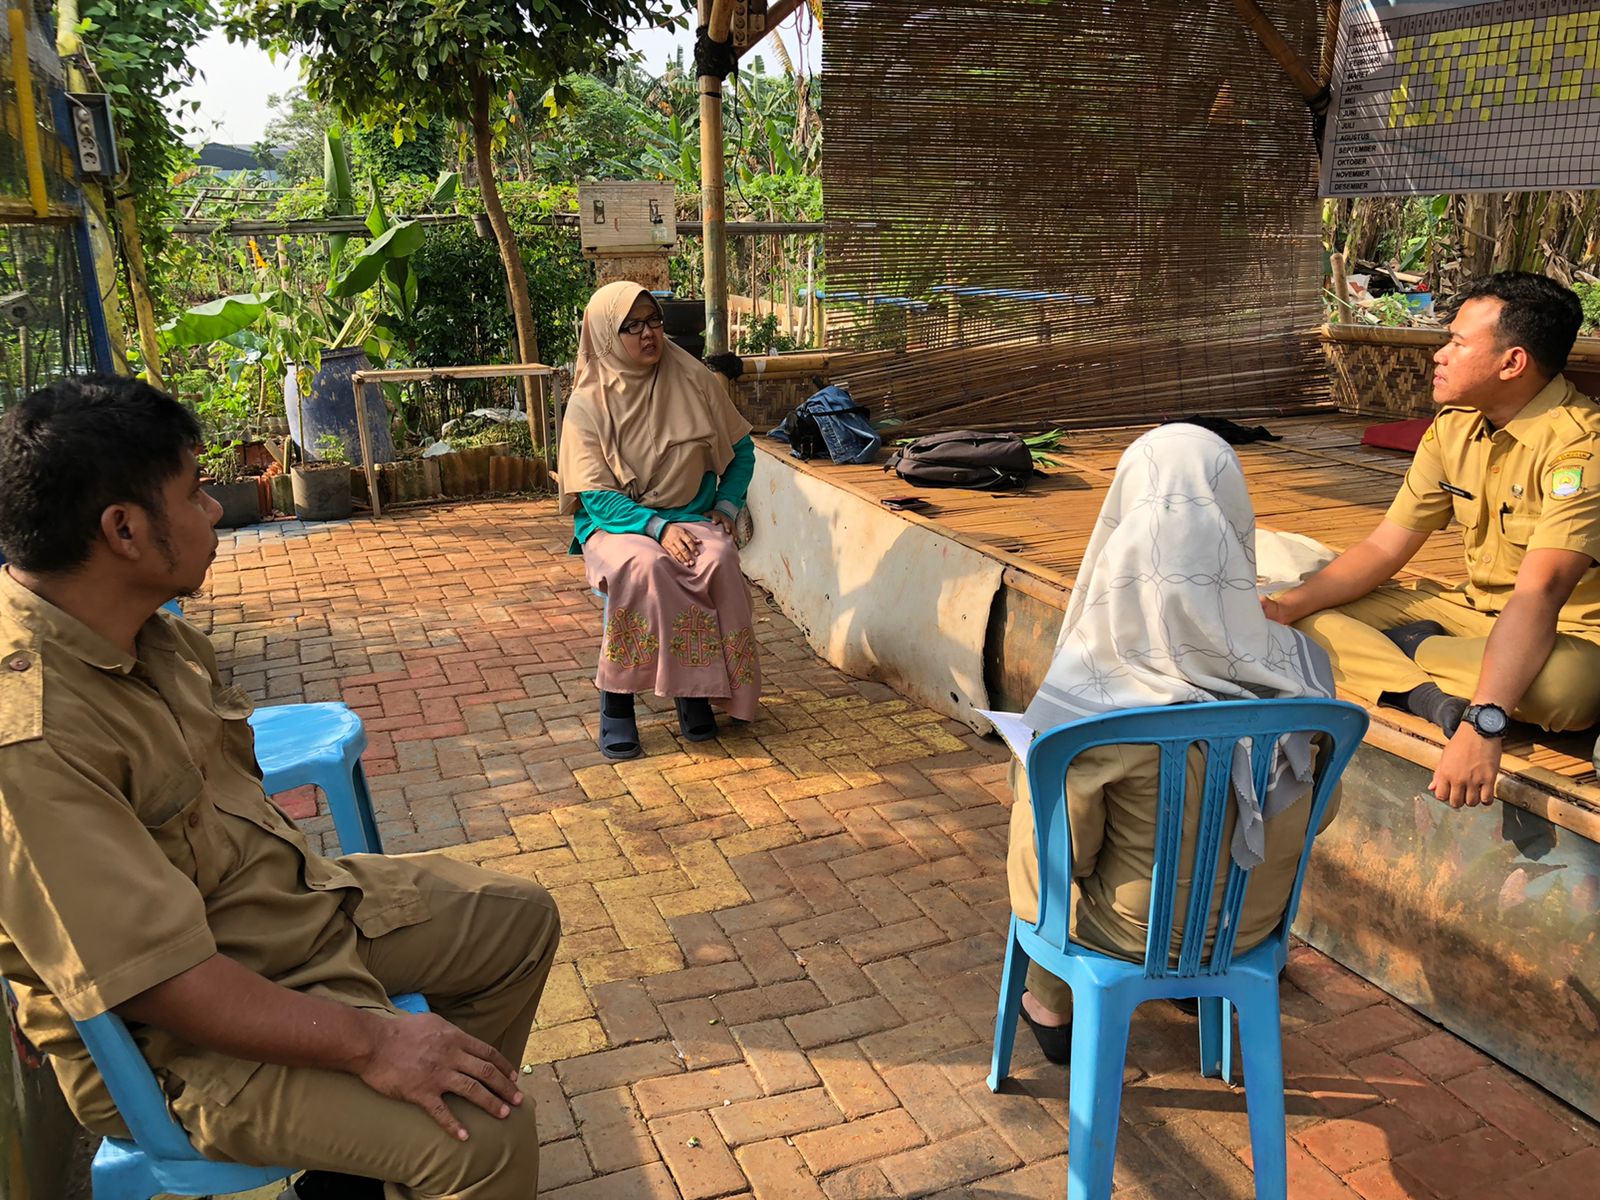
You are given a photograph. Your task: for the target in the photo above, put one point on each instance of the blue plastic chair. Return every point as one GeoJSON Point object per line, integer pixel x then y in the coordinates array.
{"type": "Point", "coordinates": [321, 744]}
{"type": "Point", "coordinates": [160, 1158]}
{"type": "Point", "coordinates": [1106, 990]}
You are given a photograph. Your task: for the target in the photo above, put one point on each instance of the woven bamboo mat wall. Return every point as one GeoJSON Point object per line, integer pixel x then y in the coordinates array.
{"type": "Point", "coordinates": [1067, 213]}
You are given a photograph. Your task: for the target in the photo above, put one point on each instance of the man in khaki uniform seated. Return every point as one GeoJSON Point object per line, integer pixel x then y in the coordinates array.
{"type": "Point", "coordinates": [146, 873]}
{"type": "Point", "coordinates": [1512, 457]}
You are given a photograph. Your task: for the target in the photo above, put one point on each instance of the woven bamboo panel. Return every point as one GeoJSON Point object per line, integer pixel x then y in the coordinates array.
{"type": "Point", "coordinates": [1388, 374]}
{"type": "Point", "coordinates": [1390, 383]}
{"type": "Point", "coordinates": [1059, 213]}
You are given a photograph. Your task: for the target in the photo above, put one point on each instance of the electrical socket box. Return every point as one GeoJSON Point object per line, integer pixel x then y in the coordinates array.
{"type": "Point", "coordinates": [18, 309]}
{"type": "Point", "coordinates": [616, 217]}
{"type": "Point", "coordinates": [749, 22]}
{"type": "Point", "coordinates": [94, 134]}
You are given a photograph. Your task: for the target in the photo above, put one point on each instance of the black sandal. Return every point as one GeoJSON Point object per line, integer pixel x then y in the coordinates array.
{"type": "Point", "coordinates": [619, 731]}
{"type": "Point", "coordinates": [695, 718]}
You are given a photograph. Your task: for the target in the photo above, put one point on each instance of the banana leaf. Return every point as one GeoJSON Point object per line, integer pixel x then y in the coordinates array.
{"type": "Point", "coordinates": [445, 190]}
{"type": "Point", "coordinates": [400, 241]}
{"type": "Point", "coordinates": [215, 319]}
{"type": "Point", "coordinates": [377, 216]}
{"type": "Point", "coordinates": [340, 191]}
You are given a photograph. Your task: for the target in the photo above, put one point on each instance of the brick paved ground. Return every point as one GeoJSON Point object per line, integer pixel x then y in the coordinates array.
{"type": "Point", "coordinates": [781, 949]}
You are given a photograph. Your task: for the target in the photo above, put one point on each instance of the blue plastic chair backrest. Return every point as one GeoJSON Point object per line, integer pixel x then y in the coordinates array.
{"type": "Point", "coordinates": [1173, 730]}
{"type": "Point", "coordinates": [134, 1089]}
{"type": "Point", "coordinates": [132, 1085]}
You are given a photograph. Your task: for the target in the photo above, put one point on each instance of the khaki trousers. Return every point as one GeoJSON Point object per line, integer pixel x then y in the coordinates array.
{"type": "Point", "coordinates": [481, 959]}
{"type": "Point", "coordinates": [1564, 695]}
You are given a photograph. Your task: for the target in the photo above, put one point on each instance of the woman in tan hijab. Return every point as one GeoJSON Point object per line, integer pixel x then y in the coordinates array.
{"type": "Point", "coordinates": [655, 462]}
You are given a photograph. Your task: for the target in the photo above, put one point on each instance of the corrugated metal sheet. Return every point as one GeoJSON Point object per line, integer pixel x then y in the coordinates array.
{"type": "Point", "coordinates": [1066, 213]}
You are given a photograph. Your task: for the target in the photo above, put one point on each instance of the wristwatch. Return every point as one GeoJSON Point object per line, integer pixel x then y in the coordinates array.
{"type": "Point", "coordinates": [1489, 720]}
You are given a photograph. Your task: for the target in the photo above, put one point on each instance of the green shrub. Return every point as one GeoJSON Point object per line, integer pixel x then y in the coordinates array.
{"type": "Point", "coordinates": [331, 449]}
{"type": "Point", "coordinates": [1589, 293]}
{"type": "Point", "coordinates": [462, 316]}
{"type": "Point", "coordinates": [762, 336]}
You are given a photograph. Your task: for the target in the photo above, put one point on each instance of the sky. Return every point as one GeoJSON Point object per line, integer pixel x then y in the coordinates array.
{"type": "Point", "coordinates": [237, 80]}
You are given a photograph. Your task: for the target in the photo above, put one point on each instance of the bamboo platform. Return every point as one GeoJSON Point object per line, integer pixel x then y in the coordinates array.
{"type": "Point", "coordinates": [1319, 481]}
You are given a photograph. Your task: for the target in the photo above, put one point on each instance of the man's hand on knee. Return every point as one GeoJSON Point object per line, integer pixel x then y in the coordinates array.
{"type": "Point", "coordinates": [423, 1058]}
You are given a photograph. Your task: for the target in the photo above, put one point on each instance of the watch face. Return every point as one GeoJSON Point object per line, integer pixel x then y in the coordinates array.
{"type": "Point", "coordinates": [1490, 720]}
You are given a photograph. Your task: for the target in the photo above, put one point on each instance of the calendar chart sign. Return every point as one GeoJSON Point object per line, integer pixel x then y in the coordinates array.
{"type": "Point", "coordinates": [1431, 97]}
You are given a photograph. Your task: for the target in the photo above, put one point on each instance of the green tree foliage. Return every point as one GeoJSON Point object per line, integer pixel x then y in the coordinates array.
{"type": "Point", "coordinates": [594, 136]}
{"type": "Point", "coordinates": [405, 63]}
{"type": "Point", "coordinates": [141, 51]}
{"type": "Point", "coordinates": [420, 154]}
{"type": "Point", "coordinates": [292, 139]}
{"type": "Point", "coordinates": [461, 315]}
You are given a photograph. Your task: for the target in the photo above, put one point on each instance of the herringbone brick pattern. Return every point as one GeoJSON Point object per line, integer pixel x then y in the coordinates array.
{"type": "Point", "coordinates": [781, 949]}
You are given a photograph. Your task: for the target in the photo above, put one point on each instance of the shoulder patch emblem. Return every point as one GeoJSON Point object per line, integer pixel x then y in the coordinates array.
{"type": "Point", "coordinates": [1565, 482]}
{"type": "Point", "coordinates": [1429, 436]}
{"type": "Point", "coordinates": [1570, 456]}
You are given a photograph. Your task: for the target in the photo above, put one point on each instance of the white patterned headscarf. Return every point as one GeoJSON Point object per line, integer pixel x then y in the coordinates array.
{"type": "Point", "coordinates": [1165, 611]}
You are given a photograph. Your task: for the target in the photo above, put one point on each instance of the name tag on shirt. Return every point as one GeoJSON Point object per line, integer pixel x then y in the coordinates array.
{"type": "Point", "coordinates": [1455, 491]}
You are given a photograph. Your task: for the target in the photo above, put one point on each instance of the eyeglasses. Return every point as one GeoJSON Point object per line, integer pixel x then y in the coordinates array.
{"type": "Point", "coordinates": [640, 324]}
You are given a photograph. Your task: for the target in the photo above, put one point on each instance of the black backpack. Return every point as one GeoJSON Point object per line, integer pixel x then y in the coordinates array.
{"type": "Point", "coordinates": [965, 458]}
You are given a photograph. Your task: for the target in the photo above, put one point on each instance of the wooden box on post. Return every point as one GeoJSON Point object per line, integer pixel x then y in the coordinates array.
{"type": "Point", "coordinates": [626, 217]}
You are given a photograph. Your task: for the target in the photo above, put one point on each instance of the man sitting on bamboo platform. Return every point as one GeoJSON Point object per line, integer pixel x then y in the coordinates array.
{"type": "Point", "coordinates": [1512, 456]}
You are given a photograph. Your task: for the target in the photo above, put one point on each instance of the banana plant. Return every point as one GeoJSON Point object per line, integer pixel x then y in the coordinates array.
{"type": "Point", "coordinates": [340, 193]}
{"type": "Point", "coordinates": [296, 327]}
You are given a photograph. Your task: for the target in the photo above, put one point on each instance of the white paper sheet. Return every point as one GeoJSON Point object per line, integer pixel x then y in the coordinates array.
{"type": "Point", "coordinates": [1013, 730]}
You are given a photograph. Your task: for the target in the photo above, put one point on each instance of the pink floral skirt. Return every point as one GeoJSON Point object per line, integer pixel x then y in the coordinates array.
{"type": "Point", "coordinates": [681, 631]}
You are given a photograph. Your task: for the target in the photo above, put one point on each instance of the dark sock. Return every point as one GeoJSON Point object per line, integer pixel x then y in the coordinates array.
{"type": "Point", "coordinates": [616, 704]}
{"type": "Point", "coordinates": [1432, 703]}
{"type": "Point", "coordinates": [333, 1185]}
{"type": "Point", "coordinates": [696, 712]}
{"type": "Point", "coordinates": [1409, 637]}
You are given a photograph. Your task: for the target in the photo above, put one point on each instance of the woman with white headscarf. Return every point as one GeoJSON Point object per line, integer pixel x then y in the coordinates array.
{"type": "Point", "coordinates": [1164, 611]}
{"type": "Point", "coordinates": [655, 462]}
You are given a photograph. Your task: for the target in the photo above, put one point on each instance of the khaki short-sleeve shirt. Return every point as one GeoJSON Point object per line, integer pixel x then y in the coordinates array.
{"type": "Point", "coordinates": [1533, 485]}
{"type": "Point", "coordinates": [137, 843]}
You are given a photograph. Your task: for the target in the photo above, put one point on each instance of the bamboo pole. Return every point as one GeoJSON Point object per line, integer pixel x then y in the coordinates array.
{"type": "Point", "coordinates": [69, 45]}
{"type": "Point", "coordinates": [1330, 41]}
{"type": "Point", "coordinates": [1341, 285]}
{"type": "Point", "coordinates": [27, 118]}
{"type": "Point", "coordinates": [777, 14]}
{"type": "Point", "coordinates": [1250, 13]}
{"type": "Point", "coordinates": [139, 287]}
{"type": "Point", "coordinates": [717, 15]}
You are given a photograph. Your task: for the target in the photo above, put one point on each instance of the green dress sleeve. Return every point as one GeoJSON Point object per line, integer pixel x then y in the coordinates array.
{"type": "Point", "coordinates": [735, 483]}
{"type": "Point", "coordinates": [614, 513]}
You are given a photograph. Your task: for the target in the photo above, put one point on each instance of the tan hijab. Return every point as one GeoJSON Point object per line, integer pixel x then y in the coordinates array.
{"type": "Point", "coordinates": [650, 433]}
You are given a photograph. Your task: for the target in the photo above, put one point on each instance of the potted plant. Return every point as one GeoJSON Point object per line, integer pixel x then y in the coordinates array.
{"type": "Point", "coordinates": [322, 487]}
{"type": "Point", "coordinates": [223, 479]}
